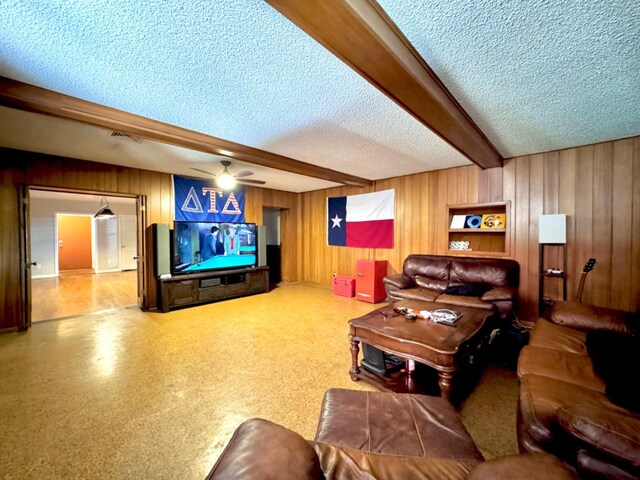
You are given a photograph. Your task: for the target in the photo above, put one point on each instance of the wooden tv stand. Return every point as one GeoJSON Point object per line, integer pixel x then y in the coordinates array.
{"type": "Point", "coordinates": [198, 288]}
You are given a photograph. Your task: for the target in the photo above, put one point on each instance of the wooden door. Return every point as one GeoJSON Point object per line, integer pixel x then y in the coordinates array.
{"type": "Point", "coordinates": [25, 258]}
{"type": "Point", "coordinates": [74, 242]}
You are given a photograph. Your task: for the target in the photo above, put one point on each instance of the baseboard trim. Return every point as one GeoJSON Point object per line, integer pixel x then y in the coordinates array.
{"type": "Point", "coordinates": [9, 330]}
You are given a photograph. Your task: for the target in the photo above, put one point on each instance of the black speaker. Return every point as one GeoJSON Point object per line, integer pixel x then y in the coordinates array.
{"type": "Point", "coordinates": [262, 245]}
{"type": "Point", "coordinates": [161, 249]}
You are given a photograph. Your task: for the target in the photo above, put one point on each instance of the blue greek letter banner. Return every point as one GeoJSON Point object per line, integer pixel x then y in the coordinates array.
{"type": "Point", "coordinates": [199, 200]}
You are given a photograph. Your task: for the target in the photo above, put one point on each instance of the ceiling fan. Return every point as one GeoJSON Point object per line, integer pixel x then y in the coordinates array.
{"type": "Point", "coordinates": [227, 180]}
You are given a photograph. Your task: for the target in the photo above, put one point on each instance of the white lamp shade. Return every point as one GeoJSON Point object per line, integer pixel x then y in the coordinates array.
{"type": "Point", "coordinates": [552, 228]}
{"type": "Point", "coordinates": [226, 181]}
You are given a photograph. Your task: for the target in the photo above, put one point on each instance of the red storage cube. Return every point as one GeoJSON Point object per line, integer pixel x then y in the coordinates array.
{"type": "Point", "coordinates": [369, 287]}
{"type": "Point", "coordinates": [344, 286]}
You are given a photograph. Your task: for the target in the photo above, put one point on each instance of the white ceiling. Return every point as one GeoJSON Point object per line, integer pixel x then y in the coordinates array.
{"type": "Point", "coordinates": [534, 75]}
{"type": "Point", "coordinates": [41, 133]}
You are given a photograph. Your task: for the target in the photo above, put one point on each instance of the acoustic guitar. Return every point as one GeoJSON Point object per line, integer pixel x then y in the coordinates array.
{"type": "Point", "coordinates": [587, 268]}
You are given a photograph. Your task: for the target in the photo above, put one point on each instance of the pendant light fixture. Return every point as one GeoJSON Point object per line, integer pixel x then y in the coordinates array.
{"type": "Point", "coordinates": [104, 211]}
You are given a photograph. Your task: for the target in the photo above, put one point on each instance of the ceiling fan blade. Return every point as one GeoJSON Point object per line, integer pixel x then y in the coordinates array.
{"type": "Point", "coordinates": [252, 182]}
{"type": "Point", "coordinates": [244, 173]}
{"type": "Point", "coordinates": [203, 171]}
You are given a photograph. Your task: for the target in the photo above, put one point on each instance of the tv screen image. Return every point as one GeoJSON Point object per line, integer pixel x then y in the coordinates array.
{"type": "Point", "coordinates": [200, 246]}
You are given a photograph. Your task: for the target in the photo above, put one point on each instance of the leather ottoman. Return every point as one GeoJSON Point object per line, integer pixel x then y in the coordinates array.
{"type": "Point", "coordinates": [394, 424]}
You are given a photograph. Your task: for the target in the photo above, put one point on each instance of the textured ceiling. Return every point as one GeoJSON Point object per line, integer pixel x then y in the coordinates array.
{"type": "Point", "coordinates": [233, 69]}
{"type": "Point", "coordinates": [534, 75]}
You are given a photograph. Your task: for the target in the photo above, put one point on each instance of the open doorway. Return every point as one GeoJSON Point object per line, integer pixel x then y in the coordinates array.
{"type": "Point", "coordinates": [81, 264]}
{"type": "Point", "coordinates": [271, 221]}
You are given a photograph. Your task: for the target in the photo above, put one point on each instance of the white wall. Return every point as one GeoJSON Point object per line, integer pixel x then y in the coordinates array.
{"type": "Point", "coordinates": [45, 205]}
{"type": "Point", "coordinates": [271, 220]}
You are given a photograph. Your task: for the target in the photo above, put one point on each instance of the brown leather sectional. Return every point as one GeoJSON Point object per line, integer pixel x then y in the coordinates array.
{"type": "Point", "coordinates": [563, 407]}
{"type": "Point", "coordinates": [426, 277]}
{"type": "Point", "coordinates": [375, 435]}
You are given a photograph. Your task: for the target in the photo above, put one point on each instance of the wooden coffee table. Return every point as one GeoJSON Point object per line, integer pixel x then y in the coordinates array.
{"type": "Point", "coordinates": [442, 347]}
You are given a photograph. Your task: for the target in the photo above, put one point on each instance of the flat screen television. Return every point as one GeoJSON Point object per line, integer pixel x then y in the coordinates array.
{"type": "Point", "coordinates": [203, 246]}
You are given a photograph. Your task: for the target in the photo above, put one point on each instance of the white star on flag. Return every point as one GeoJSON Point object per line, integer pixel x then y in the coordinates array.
{"type": "Point", "coordinates": [336, 221]}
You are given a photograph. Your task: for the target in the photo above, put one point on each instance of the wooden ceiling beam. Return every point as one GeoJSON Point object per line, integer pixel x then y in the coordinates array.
{"type": "Point", "coordinates": [30, 98]}
{"type": "Point", "coordinates": [363, 36]}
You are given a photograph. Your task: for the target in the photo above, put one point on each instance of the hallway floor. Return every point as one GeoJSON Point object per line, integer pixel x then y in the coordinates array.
{"type": "Point", "coordinates": [79, 293]}
{"type": "Point", "coordinates": [131, 394]}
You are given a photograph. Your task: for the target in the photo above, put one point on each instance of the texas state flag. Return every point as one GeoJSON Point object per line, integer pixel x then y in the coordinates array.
{"type": "Point", "coordinates": [364, 221]}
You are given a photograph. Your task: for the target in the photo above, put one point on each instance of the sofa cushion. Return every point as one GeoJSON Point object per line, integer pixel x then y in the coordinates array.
{"type": "Point", "coordinates": [260, 449]}
{"type": "Point", "coordinates": [530, 466]}
{"type": "Point", "coordinates": [470, 302]}
{"type": "Point", "coordinates": [341, 463]}
{"type": "Point", "coordinates": [549, 335]}
{"type": "Point", "coordinates": [613, 354]}
{"type": "Point", "coordinates": [566, 366]}
{"type": "Point", "coordinates": [613, 431]}
{"type": "Point", "coordinates": [394, 424]}
{"type": "Point", "coordinates": [596, 465]}
{"type": "Point", "coordinates": [420, 294]}
{"type": "Point", "coordinates": [589, 317]}
{"type": "Point", "coordinates": [468, 289]}
{"type": "Point", "coordinates": [431, 283]}
{"type": "Point", "coordinates": [495, 272]}
{"type": "Point", "coordinates": [540, 398]}
{"type": "Point", "coordinates": [429, 266]}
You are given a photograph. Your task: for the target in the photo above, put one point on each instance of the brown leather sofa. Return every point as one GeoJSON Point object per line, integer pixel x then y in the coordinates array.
{"type": "Point", "coordinates": [374, 435]}
{"type": "Point", "coordinates": [564, 406]}
{"type": "Point", "coordinates": [491, 283]}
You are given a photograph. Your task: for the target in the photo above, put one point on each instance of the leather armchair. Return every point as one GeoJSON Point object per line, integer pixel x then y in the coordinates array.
{"type": "Point", "coordinates": [369, 435]}
{"type": "Point", "coordinates": [262, 450]}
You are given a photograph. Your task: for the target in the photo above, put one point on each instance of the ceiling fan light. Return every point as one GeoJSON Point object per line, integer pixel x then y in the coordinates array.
{"type": "Point", "coordinates": [226, 181]}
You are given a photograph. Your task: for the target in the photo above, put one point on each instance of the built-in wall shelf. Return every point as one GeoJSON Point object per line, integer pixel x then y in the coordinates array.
{"type": "Point", "coordinates": [545, 302]}
{"type": "Point", "coordinates": [477, 230]}
{"type": "Point", "coordinates": [485, 226]}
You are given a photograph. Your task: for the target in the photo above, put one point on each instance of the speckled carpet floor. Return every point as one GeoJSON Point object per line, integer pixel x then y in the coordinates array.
{"type": "Point", "coordinates": [129, 394]}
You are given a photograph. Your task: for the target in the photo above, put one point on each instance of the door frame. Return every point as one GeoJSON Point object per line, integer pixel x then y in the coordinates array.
{"type": "Point", "coordinates": [25, 243]}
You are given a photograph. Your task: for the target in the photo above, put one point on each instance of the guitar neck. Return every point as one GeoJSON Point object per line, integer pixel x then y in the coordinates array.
{"type": "Point", "coordinates": [583, 277]}
{"type": "Point", "coordinates": [587, 268]}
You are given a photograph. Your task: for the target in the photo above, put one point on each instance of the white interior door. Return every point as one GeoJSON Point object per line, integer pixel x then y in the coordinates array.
{"type": "Point", "coordinates": [107, 251]}
{"type": "Point", "coordinates": [128, 242]}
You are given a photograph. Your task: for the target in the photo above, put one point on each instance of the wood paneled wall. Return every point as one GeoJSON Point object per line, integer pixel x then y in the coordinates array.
{"type": "Point", "coordinates": [597, 186]}
{"type": "Point", "coordinates": [35, 169]}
